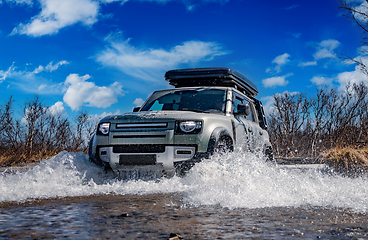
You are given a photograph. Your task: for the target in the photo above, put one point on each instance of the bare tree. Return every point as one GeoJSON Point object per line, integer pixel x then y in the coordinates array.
{"type": "Point", "coordinates": [358, 13]}
{"type": "Point", "coordinates": [329, 119]}
{"type": "Point", "coordinates": [319, 118]}
{"type": "Point", "coordinates": [33, 112]}
{"type": "Point", "coordinates": [291, 112]}
{"type": "Point", "coordinates": [11, 135]}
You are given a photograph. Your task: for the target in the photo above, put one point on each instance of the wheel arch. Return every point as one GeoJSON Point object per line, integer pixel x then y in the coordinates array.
{"type": "Point", "coordinates": [217, 134]}
{"type": "Point", "coordinates": [92, 152]}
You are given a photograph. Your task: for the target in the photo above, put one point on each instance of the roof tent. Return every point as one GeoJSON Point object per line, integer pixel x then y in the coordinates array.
{"type": "Point", "coordinates": [210, 77]}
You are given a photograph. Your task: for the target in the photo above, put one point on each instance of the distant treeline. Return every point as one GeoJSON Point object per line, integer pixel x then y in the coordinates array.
{"type": "Point", "coordinates": [40, 133]}
{"type": "Point", "coordinates": [305, 126]}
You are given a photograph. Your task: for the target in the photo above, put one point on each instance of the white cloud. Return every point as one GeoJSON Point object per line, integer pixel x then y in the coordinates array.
{"type": "Point", "coordinates": [58, 110]}
{"type": "Point", "coordinates": [30, 81]}
{"type": "Point", "coordinates": [305, 64]}
{"type": "Point", "coordinates": [7, 73]}
{"type": "Point", "coordinates": [276, 81]}
{"type": "Point", "coordinates": [50, 67]}
{"type": "Point", "coordinates": [138, 102]}
{"type": "Point", "coordinates": [291, 7]}
{"type": "Point", "coordinates": [42, 86]}
{"type": "Point", "coordinates": [111, 1]}
{"type": "Point", "coordinates": [27, 2]}
{"type": "Point", "coordinates": [57, 14]}
{"type": "Point", "coordinates": [11, 72]}
{"type": "Point", "coordinates": [362, 8]}
{"type": "Point", "coordinates": [150, 64]}
{"type": "Point", "coordinates": [325, 49]}
{"type": "Point", "coordinates": [318, 80]}
{"type": "Point", "coordinates": [356, 76]}
{"type": "Point", "coordinates": [280, 61]}
{"type": "Point", "coordinates": [269, 101]}
{"type": "Point", "coordinates": [296, 35]}
{"type": "Point", "coordinates": [80, 91]}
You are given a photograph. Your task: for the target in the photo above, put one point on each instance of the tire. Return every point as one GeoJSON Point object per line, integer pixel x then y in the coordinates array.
{"type": "Point", "coordinates": [92, 156]}
{"type": "Point", "coordinates": [223, 146]}
{"type": "Point", "coordinates": [268, 153]}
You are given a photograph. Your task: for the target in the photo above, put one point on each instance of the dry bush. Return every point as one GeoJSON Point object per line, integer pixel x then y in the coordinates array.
{"type": "Point", "coordinates": [348, 160]}
{"type": "Point", "coordinates": [40, 134]}
{"type": "Point", "coordinates": [8, 159]}
{"type": "Point", "coordinates": [301, 126]}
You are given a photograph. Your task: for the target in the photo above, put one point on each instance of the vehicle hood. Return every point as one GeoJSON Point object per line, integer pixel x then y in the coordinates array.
{"type": "Point", "coordinates": [153, 116]}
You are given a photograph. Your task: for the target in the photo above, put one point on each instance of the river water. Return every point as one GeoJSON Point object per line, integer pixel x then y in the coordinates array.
{"type": "Point", "coordinates": [234, 196]}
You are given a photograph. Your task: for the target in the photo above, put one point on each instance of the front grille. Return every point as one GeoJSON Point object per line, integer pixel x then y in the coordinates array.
{"type": "Point", "coordinates": [141, 125]}
{"type": "Point", "coordinates": [137, 160]}
{"type": "Point", "coordinates": [139, 136]}
{"type": "Point", "coordinates": [139, 148]}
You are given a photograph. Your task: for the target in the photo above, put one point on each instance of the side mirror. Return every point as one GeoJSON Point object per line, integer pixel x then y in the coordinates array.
{"type": "Point", "coordinates": [243, 109]}
{"type": "Point", "coordinates": [136, 109]}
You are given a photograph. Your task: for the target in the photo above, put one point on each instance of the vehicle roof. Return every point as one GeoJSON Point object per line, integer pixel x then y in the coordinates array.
{"type": "Point", "coordinates": [197, 87]}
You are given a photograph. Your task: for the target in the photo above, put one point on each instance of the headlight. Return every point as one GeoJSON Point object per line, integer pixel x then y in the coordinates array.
{"type": "Point", "coordinates": [189, 127]}
{"type": "Point", "coordinates": [103, 129]}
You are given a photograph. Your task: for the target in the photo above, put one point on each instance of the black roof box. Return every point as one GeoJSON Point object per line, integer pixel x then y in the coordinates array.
{"type": "Point", "coordinates": [210, 77]}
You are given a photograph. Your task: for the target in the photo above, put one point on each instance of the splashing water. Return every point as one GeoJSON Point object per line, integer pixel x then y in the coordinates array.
{"type": "Point", "coordinates": [235, 180]}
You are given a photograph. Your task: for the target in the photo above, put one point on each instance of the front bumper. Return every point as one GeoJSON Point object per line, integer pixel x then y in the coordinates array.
{"type": "Point", "coordinates": [159, 158]}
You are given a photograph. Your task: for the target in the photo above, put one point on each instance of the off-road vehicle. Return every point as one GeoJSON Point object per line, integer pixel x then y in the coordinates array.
{"type": "Point", "coordinates": [209, 110]}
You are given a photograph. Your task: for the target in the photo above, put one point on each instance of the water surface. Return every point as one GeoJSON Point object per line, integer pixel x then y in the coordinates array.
{"type": "Point", "coordinates": [235, 196]}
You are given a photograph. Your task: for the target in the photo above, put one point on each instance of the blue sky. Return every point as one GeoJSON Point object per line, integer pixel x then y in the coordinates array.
{"type": "Point", "coordinates": [106, 56]}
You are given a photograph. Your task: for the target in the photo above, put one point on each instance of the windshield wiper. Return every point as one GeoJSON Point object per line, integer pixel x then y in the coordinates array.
{"type": "Point", "coordinates": [191, 110]}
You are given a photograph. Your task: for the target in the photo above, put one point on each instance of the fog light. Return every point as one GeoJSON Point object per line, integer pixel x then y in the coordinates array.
{"type": "Point", "coordinates": [185, 152]}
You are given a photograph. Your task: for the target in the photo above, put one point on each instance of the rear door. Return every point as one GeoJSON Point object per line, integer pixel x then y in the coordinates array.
{"type": "Point", "coordinates": [243, 128]}
{"type": "Point", "coordinates": [252, 130]}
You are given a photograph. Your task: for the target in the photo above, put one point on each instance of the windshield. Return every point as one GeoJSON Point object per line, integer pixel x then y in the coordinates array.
{"type": "Point", "coordinates": [198, 100]}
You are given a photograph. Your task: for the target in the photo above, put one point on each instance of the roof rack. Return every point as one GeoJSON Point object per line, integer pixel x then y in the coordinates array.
{"type": "Point", "coordinates": [210, 77]}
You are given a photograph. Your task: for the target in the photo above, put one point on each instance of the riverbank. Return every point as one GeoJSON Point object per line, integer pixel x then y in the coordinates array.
{"type": "Point", "coordinates": [348, 160]}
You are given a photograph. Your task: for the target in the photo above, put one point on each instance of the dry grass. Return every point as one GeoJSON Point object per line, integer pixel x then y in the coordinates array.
{"type": "Point", "coordinates": [16, 160]}
{"type": "Point", "coordinates": [349, 160]}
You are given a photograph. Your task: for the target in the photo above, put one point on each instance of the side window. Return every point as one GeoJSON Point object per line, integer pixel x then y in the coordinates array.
{"type": "Point", "coordinates": [250, 116]}
{"type": "Point", "coordinates": [254, 112]}
{"type": "Point", "coordinates": [238, 99]}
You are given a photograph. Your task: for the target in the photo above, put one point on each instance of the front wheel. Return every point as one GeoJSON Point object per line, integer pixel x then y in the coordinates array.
{"type": "Point", "coordinates": [223, 146]}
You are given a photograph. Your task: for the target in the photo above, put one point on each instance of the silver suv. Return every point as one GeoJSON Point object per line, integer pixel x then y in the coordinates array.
{"type": "Point", "coordinates": [209, 110]}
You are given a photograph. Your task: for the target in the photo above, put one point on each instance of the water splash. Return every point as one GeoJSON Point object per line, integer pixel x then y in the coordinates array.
{"type": "Point", "coordinates": [235, 180]}
{"type": "Point", "coordinates": [243, 180]}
